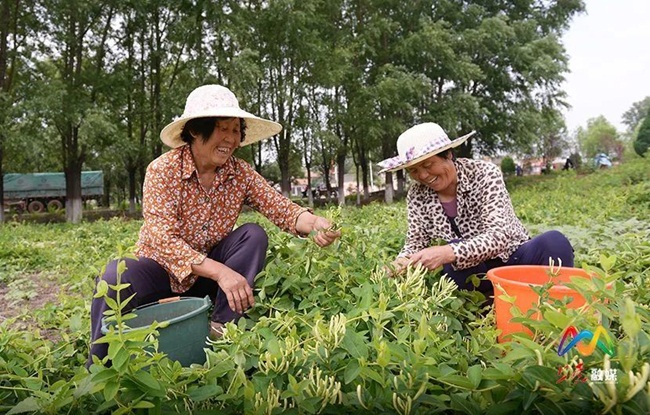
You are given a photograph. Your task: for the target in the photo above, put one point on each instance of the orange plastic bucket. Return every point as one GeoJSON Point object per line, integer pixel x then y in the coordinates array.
{"type": "Point", "coordinates": [516, 281]}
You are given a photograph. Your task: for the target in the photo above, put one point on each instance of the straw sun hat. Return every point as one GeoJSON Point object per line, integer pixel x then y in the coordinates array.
{"type": "Point", "coordinates": [217, 101]}
{"type": "Point", "coordinates": [418, 143]}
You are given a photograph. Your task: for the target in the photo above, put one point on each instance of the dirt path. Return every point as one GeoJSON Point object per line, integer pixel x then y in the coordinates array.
{"type": "Point", "coordinates": [21, 298]}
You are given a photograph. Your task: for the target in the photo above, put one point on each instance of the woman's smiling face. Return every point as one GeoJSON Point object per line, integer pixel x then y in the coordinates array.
{"type": "Point", "coordinates": [221, 144]}
{"type": "Point", "coordinates": [436, 172]}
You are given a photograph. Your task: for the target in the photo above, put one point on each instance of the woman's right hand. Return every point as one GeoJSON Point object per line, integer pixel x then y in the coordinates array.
{"type": "Point", "coordinates": [396, 267]}
{"type": "Point", "coordinates": [233, 284]}
{"type": "Point", "coordinates": [236, 288]}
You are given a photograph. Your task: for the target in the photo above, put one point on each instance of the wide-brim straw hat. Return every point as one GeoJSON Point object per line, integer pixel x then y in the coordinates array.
{"type": "Point", "coordinates": [217, 101]}
{"type": "Point", "coordinates": [419, 143]}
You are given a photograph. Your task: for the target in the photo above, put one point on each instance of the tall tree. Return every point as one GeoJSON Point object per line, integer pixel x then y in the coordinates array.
{"type": "Point", "coordinates": [637, 112]}
{"type": "Point", "coordinates": [15, 19]}
{"type": "Point", "coordinates": [600, 136]}
{"type": "Point", "coordinates": [76, 43]}
{"type": "Point", "coordinates": [642, 142]}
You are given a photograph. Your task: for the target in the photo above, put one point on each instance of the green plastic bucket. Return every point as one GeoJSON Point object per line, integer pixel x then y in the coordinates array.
{"type": "Point", "coordinates": [185, 335]}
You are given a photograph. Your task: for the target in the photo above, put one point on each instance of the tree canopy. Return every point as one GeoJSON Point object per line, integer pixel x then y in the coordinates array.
{"type": "Point", "coordinates": [637, 112]}
{"type": "Point", "coordinates": [345, 77]}
{"type": "Point", "coordinates": [642, 142]}
{"type": "Point", "coordinates": [600, 136]}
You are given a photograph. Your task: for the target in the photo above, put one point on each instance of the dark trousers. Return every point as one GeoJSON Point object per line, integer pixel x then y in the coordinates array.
{"type": "Point", "coordinates": [243, 250]}
{"type": "Point", "coordinates": [536, 251]}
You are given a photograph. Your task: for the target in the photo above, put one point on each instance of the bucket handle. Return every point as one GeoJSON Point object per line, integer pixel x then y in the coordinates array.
{"type": "Point", "coordinates": [168, 300]}
{"type": "Point", "coordinates": [172, 300]}
{"type": "Point", "coordinates": [161, 301]}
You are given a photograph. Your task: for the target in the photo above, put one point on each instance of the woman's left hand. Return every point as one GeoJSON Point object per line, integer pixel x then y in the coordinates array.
{"type": "Point", "coordinates": [307, 223]}
{"type": "Point", "coordinates": [433, 257]}
{"type": "Point", "coordinates": [324, 237]}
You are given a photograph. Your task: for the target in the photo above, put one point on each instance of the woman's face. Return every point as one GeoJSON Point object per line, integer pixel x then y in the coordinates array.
{"type": "Point", "coordinates": [222, 143]}
{"type": "Point", "coordinates": [438, 173]}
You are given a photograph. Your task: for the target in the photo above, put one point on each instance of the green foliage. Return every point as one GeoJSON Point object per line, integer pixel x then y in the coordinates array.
{"type": "Point", "coordinates": [637, 112]}
{"type": "Point", "coordinates": [331, 334]}
{"type": "Point", "coordinates": [507, 165]}
{"type": "Point", "coordinates": [642, 142]}
{"type": "Point", "coordinates": [600, 136]}
{"type": "Point", "coordinates": [576, 159]}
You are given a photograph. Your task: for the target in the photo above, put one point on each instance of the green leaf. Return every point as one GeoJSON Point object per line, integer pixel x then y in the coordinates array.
{"type": "Point", "coordinates": [367, 372]}
{"type": "Point", "coordinates": [121, 359]}
{"type": "Point", "coordinates": [355, 344]}
{"type": "Point", "coordinates": [273, 346]}
{"type": "Point", "coordinates": [122, 411]}
{"type": "Point", "coordinates": [545, 375]}
{"type": "Point", "coordinates": [631, 321]}
{"type": "Point", "coordinates": [458, 381]}
{"type": "Point", "coordinates": [149, 383]}
{"type": "Point", "coordinates": [464, 404]}
{"type": "Point", "coordinates": [110, 390]}
{"type": "Point", "coordinates": [510, 299]}
{"type": "Point", "coordinates": [509, 407]}
{"type": "Point", "coordinates": [352, 370]}
{"type": "Point", "coordinates": [144, 405]}
{"type": "Point", "coordinates": [26, 405]}
{"type": "Point", "coordinates": [85, 387]}
{"type": "Point", "coordinates": [607, 262]}
{"type": "Point", "coordinates": [557, 319]}
{"type": "Point", "coordinates": [112, 304]}
{"type": "Point", "coordinates": [104, 375]}
{"type": "Point", "coordinates": [205, 392]}
{"type": "Point", "coordinates": [121, 267]}
{"type": "Point", "coordinates": [102, 289]}
{"type": "Point", "coordinates": [474, 374]}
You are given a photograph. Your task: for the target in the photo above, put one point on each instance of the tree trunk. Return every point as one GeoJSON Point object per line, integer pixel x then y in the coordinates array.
{"type": "Point", "coordinates": [283, 162]}
{"type": "Point", "coordinates": [73, 199]}
{"type": "Point", "coordinates": [157, 81]}
{"type": "Point", "coordinates": [5, 85]}
{"type": "Point", "coordinates": [340, 162]}
{"type": "Point", "coordinates": [358, 188]}
{"type": "Point", "coordinates": [310, 195]}
{"type": "Point", "coordinates": [132, 193]}
{"type": "Point", "coordinates": [400, 182]}
{"type": "Point", "coordinates": [388, 193]}
{"type": "Point", "coordinates": [363, 159]}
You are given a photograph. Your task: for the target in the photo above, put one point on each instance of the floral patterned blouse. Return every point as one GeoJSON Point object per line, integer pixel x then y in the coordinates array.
{"type": "Point", "coordinates": [486, 222]}
{"type": "Point", "coordinates": [183, 221]}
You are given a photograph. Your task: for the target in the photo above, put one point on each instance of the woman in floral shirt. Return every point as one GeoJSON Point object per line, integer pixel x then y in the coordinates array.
{"type": "Point", "coordinates": [465, 203]}
{"type": "Point", "coordinates": [192, 197]}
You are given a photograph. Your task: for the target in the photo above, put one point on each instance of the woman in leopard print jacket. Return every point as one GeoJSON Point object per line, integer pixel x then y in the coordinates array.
{"type": "Point", "coordinates": [465, 203]}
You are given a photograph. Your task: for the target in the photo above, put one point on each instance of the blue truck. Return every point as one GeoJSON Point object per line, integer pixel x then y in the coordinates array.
{"type": "Point", "coordinates": [36, 192]}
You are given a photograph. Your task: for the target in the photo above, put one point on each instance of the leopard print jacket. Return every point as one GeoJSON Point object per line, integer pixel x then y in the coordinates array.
{"type": "Point", "coordinates": [486, 219]}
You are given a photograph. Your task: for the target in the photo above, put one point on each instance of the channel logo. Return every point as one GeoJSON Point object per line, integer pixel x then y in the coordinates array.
{"type": "Point", "coordinates": [571, 338]}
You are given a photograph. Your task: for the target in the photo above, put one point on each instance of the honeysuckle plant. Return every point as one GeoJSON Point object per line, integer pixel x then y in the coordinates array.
{"type": "Point", "coordinates": [330, 333]}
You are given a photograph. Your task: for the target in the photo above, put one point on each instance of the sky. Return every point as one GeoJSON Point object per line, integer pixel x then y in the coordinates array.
{"type": "Point", "coordinates": [609, 60]}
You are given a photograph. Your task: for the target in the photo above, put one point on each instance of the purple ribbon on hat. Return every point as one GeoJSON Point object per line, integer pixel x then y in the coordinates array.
{"type": "Point", "coordinates": [411, 154]}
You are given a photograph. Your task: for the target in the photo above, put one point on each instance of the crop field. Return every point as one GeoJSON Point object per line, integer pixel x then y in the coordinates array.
{"type": "Point", "coordinates": [331, 334]}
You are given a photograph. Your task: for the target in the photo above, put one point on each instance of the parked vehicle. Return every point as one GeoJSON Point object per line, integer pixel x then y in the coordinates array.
{"type": "Point", "coordinates": [602, 161]}
{"type": "Point", "coordinates": [36, 192]}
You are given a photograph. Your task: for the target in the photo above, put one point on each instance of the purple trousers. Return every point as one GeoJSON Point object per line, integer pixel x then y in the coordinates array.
{"type": "Point", "coordinates": [536, 251]}
{"type": "Point", "coordinates": [243, 250]}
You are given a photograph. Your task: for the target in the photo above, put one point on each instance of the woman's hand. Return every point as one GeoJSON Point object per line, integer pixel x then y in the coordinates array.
{"type": "Point", "coordinates": [308, 222]}
{"type": "Point", "coordinates": [324, 237]}
{"type": "Point", "coordinates": [433, 257]}
{"type": "Point", "coordinates": [396, 267]}
{"type": "Point", "coordinates": [233, 284]}
{"type": "Point", "coordinates": [236, 288]}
